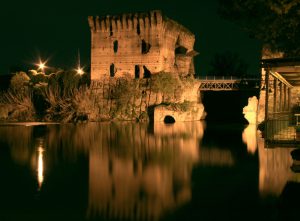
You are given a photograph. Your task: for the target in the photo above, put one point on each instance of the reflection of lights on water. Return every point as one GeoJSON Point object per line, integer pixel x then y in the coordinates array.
{"type": "Point", "coordinates": [249, 138]}
{"type": "Point", "coordinates": [40, 169]}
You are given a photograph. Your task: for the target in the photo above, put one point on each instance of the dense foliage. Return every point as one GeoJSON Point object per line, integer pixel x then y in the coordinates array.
{"type": "Point", "coordinates": [275, 22]}
{"type": "Point", "coordinates": [30, 96]}
{"type": "Point", "coordinates": [65, 96]}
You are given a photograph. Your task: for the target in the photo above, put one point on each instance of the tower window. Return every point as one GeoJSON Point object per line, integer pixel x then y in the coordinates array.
{"type": "Point", "coordinates": [147, 73]}
{"type": "Point", "coordinates": [145, 47]}
{"type": "Point", "coordinates": [112, 70]}
{"type": "Point", "coordinates": [116, 46]}
{"type": "Point", "coordinates": [136, 71]}
{"type": "Point", "coordinates": [138, 29]}
{"type": "Point", "coordinates": [111, 30]}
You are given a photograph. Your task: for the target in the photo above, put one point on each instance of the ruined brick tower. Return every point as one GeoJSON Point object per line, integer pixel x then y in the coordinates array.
{"type": "Point", "coordinates": [138, 45]}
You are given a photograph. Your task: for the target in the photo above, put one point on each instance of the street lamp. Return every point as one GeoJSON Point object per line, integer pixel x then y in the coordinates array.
{"type": "Point", "coordinates": [79, 71]}
{"type": "Point", "coordinates": [41, 66]}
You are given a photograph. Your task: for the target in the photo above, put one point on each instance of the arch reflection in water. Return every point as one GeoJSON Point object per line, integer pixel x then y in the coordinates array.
{"type": "Point", "coordinates": [249, 138]}
{"type": "Point", "coordinates": [146, 176]}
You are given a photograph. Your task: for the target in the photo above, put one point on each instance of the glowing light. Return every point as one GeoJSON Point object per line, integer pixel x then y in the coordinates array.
{"type": "Point", "coordinates": [41, 65]}
{"type": "Point", "coordinates": [80, 71]}
{"type": "Point", "coordinates": [40, 169]}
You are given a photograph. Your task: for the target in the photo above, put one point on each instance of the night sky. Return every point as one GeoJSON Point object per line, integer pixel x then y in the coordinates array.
{"type": "Point", "coordinates": [55, 30]}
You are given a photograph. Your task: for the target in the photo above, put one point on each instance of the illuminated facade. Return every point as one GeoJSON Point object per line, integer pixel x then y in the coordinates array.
{"type": "Point", "coordinates": [138, 45]}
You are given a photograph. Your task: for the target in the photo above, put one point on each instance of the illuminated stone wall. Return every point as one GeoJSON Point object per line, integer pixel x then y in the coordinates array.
{"type": "Point", "coordinates": [135, 98]}
{"type": "Point", "coordinates": [139, 45]}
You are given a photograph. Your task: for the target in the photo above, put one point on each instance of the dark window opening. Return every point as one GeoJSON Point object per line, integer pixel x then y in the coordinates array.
{"type": "Point", "coordinates": [169, 119]}
{"type": "Point", "coordinates": [110, 30]}
{"type": "Point", "coordinates": [180, 50]}
{"type": "Point", "coordinates": [147, 73]}
{"type": "Point", "coordinates": [138, 29]}
{"type": "Point", "coordinates": [136, 71]}
{"type": "Point", "coordinates": [112, 70]}
{"type": "Point", "coordinates": [145, 47]}
{"type": "Point", "coordinates": [116, 46]}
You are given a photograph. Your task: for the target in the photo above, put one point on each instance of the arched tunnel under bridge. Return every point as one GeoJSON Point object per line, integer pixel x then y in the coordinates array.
{"type": "Point", "coordinates": [226, 106]}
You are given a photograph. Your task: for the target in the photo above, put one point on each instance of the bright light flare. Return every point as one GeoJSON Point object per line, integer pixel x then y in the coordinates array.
{"type": "Point", "coordinates": [41, 65]}
{"type": "Point", "coordinates": [79, 71]}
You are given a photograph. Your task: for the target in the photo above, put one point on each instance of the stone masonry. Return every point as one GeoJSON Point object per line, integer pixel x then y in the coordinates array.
{"type": "Point", "coordinates": [138, 45]}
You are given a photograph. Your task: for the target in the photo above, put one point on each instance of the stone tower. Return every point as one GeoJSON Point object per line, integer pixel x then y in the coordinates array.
{"type": "Point", "coordinates": [138, 45]}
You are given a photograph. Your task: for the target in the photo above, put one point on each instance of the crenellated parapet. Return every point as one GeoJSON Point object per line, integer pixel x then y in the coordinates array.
{"type": "Point", "coordinates": [125, 21]}
{"type": "Point", "coordinates": [138, 45]}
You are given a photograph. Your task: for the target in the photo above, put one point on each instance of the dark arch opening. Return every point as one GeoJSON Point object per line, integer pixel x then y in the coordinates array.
{"type": "Point", "coordinates": [112, 70]}
{"type": "Point", "coordinates": [116, 46]}
{"type": "Point", "coordinates": [169, 119]}
{"type": "Point", "coordinates": [180, 50]}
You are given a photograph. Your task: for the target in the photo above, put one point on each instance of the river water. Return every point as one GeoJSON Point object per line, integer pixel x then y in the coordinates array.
{"type": "Point", "coordinates": [134, 171]}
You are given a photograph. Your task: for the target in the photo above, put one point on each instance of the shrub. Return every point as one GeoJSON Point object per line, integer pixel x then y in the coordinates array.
{"type": "Point", "coordinates": [19, 82]}
{"type": "Point", "coordinates": [18, 106]}
{"type": "Point", "coordinates": [185, 106]}
{"type": "Point", "coordinates": [165, 83]}
{"type": "Point", "coordinates": [78, 106]}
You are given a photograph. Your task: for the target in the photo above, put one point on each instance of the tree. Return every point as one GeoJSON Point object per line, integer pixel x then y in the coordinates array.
{"type": "Point", "coordinates": [228, 64]}
{"type": "Point", "coordinates": [275, 22]}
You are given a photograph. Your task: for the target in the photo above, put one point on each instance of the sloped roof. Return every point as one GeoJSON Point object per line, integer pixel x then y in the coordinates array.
{"type": "Point", "coordinates": [287, 68]}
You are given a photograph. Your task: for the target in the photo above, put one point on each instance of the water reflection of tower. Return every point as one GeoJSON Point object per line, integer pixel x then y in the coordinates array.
{"type": "Point", "coordinates": [146, 176]}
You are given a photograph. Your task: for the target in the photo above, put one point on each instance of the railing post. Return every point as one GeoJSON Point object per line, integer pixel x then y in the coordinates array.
{"type": "Point", "coordinates": [275, 95]}
{"type": "Point", "coordinates": [267, 94]}
{"type": "Point", "coordinates": [284, 97]}
{"type": "Point", "coordinates": [280, 97]}
{"type": "Point", "coordinates": [289, 99]}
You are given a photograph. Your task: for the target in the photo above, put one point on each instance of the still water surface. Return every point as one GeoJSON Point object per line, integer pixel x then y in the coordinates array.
{"type": "Point", "coordinates": [132, 171]}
